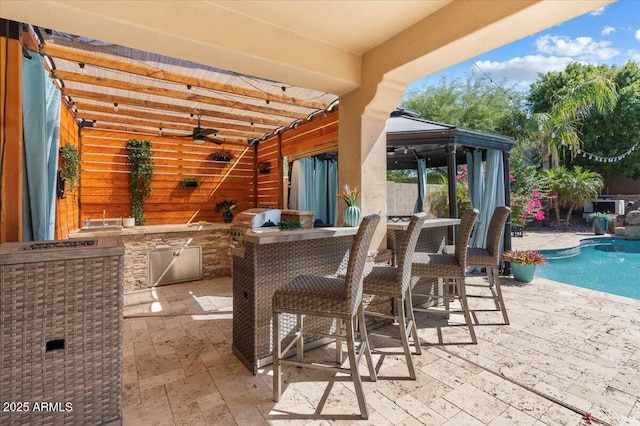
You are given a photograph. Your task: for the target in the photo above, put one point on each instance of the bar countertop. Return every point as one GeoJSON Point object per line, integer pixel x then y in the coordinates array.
{"type": "Point", "coordinates": [261, 237]}
{"type": "Point", "coordinates": [429, 223]}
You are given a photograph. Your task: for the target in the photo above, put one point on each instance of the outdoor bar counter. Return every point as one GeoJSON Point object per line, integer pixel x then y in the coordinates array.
{"type": "Point", "coordinates": [265, 260]}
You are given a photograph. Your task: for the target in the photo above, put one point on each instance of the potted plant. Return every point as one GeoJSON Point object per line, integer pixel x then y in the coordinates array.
{"type": "Point", "coordinates": [70, 166]}
{"type": "Point", "coordinates": [225, 207]}
{"type": "Point", "coordinates": [523, 263]}
{"type": "Point", "coordinates": [140, 159]}
{"type": "Point", "coordinates": [264, 167]}
{"type": "Point", "coordinates": [352, 214]}
{"type": "Point", "coordinates": [190, 182]}
{"type": "Point", "coordinates": [600, 222]}
{"type": "Point", "coordinates": [222, 155]}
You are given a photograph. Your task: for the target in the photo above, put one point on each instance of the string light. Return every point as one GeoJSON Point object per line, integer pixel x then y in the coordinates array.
{"type": "Point", "coordinates": [601, 159]}
{"type": "Point", "coordinates": [115, 107]}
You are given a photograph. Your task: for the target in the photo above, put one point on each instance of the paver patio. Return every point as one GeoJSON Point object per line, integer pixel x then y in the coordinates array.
{"type": "Point", "coordinates": [567, 351]}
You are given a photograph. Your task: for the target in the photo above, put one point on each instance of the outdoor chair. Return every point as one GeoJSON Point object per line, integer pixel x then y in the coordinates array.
{"type": "Point", "coordinates": [333, 297]}
{"type": "Point", "coordinates": [489, 258]}
{"type": "Point", "coordinates": [452, 269]}
{"type": "Point", "coordinates": [395, 283]}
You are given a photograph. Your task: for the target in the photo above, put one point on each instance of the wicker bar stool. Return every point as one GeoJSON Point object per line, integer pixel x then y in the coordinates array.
{"type": "Point", "coordinates": [489, 258]}
{"type": "Point", "coordinates": [452, 268]}
{"type": "Point", "coordinates": [395, 283]}
{"type": "Point", "coordinates": [339, 298]}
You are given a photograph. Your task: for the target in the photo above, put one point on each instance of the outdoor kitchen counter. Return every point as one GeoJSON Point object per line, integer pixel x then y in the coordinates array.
{"type": "Point", "coordinates": [263, 260]}
{"type": "Point", "coordinates": [142, 242]}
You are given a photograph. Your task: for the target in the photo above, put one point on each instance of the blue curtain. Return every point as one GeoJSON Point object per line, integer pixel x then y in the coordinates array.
{"type": "Point", "coordinates": [475, 178]}
{"type": "Point", "coordinates": [422, 185]}
{"type": "Point", "coordinates": [41, 126]}
{"type": "Point", "coordinates": [314, 186]}
{"type": "Point", "coordinates": [492, 196]}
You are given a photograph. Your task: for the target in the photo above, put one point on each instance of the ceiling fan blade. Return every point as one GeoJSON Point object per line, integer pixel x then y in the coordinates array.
{"type": "Point", "coordinates": [208, 131]}
{"type": "Point", "coordinates": [214, 140]}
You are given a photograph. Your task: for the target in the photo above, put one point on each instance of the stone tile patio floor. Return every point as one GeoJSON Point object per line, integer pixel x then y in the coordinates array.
{"type": "Point", "coordinates": [567, 349]}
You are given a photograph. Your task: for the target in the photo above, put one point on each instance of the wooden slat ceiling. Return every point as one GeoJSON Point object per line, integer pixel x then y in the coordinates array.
{"type": "Point", "coordinates": [123, 89]}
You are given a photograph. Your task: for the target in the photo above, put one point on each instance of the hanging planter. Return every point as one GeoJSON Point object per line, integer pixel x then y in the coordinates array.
{"type": "Point", "coordinates": [264, 167]}
{"type": "Point", "coordinates": [141, 164]}
{"type": "Point", "coordinates": [190, 182]}
{"type": "Point", "coordinates": [222, 155]}
{"type": "Point", "coordinates": [69, 167]}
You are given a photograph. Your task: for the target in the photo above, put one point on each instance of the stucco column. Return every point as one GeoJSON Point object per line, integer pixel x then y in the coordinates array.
{"type": "Point", "coordinates": [362, 153]}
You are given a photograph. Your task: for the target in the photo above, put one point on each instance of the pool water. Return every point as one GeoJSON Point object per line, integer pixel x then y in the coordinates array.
{"type": "Point", "coordinates": [611, 265]}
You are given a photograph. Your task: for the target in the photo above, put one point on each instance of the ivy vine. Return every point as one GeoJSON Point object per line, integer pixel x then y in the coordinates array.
{"type": "Point", "coordinates": [70, 165]}
{"type": "Point", "coordinates": [141, 164]}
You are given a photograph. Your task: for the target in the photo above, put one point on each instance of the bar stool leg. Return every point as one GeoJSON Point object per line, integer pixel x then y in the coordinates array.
{"type": "Point", "coordinates": [364, 339]}
{"type": "Point", "coordinates": [408, 301]}
{"type": "Point", "coordinates": [277, 348]}
{"type": "Point", "coordinates": [402, 323]}
{"type": "Point", "coordinates": [355, 374]}
{"type": "Point", "coordinates": [465, 308]}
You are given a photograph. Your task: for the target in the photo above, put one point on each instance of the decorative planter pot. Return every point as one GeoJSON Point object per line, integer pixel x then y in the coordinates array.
{"type": "Point", "coordinates": [600, 226]}
{"type": "Point", "coordinates": [129, 222]}
{"type": "Point", "coordinates": [352, 216]}
{"type": "Point", "coordinates": [523, 272]}
{"type": "Point", "coordinates": [227, 217]}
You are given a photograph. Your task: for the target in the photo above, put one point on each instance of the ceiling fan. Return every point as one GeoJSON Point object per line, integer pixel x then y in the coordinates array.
{"type": "Point", "coordinates": [200, 135]}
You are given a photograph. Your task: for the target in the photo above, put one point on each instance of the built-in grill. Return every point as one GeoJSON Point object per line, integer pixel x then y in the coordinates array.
{"type": "Point", "coordinates": [256, 218]}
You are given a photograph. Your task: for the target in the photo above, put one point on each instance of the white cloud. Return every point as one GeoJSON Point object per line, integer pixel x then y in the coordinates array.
{"type": "Point", "coordinates": [583, 48]}
{"type": "Point", "coordinates": [522, 71]}
{"type": "Point", "coordinates": [634, 55]}
{"type": "Point", "coordinates": [638, 35]}
{"type": "Point", "coordinates": [607, 30]}
{"type": "Point", "coordinates": [598, 11]}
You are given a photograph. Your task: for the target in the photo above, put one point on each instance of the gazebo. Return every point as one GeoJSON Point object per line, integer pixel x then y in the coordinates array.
{"type": "Point", "coordinates": [415, 144]}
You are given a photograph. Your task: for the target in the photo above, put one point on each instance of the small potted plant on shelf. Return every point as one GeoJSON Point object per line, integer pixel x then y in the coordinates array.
{"type": "Point", "coordinates": [523, 263]}
{"type": "Point", "coordinates": [222, 155]}
{"type": "Point", "coordinates": [190, 182]}
{"type": "Point", "coordinates": [225, 207]}
{"type": "Point", "coordinates": [264, 167]}
{"type": "Point", "coordinates": [600, 222]}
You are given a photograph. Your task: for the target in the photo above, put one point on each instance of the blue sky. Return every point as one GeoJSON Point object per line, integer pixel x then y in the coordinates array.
{"type": "Point", "coordinates": [610, 35]}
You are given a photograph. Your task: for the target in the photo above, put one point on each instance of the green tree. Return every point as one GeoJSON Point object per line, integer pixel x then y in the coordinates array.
{"type": "Point", "coordinates": [475, 104]}
{"type": "Point", "coordinates": [562, 102]}
{"type": "Point", "coordinates": [614, 135]}
{"type": "Point", "coordinates": [571, 188]}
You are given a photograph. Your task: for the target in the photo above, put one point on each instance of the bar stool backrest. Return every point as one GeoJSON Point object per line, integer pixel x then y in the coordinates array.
{"type": "Point", "coordinates": [357, 259]}
{"type": "Point", "coordinates": [464, 233]}
{"type": "Point", "coordinates": [494, 233]}
{"type": "Point", "coordinates": [405, 254]}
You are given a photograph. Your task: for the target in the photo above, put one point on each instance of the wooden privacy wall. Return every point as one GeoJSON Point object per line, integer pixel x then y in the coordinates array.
{"type": "Point", "coordinates": [105, 178]}
{"type": "Point", "coordinates": [311, 138]}
{"type": "Point", "coordinates": [270, 182]}
{"type": "Point", "coordinates": [67, 208]}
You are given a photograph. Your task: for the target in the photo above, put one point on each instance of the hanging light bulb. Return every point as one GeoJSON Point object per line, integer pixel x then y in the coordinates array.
{"type": "Point", "coordinates": [405, 150]}
{"type": "Point", "coordinates": [160, 131]}
{"type": "Point", "coordinates": [115, 107]}
{"type": "Point", "coordinates": [81, 65]}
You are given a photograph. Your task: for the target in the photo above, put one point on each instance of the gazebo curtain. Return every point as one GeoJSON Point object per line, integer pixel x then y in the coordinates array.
{"type": "Point", "coordinates": [41, 127]}
{"type": "Point", "coordinates": [314, 185]}
{"type": "Point", "coordinates": [422, 185]}
{"type": "Point", "coordinates": [491, 196]}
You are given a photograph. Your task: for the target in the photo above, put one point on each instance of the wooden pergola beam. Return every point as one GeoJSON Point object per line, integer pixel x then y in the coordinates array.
{"type": "Point", "coordinates": [75, 55]}
{"type": "Point", "coordinates": [158, 91]}
{"type": "Point", "coordinates": [151, 124]}
{"type": "Point", "coordinates": [257, 131]}
{"type": "Point", "coordinates": [146, 131]}
{"type": "Point", "coordinates": [124, 100]}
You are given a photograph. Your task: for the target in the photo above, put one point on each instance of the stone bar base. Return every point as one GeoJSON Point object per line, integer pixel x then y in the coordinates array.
{"type": "Point", "coordinates": [140, 240]}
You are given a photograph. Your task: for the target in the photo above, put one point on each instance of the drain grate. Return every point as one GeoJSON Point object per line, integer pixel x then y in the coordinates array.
{"type": "Point", "coordinates": [60, 244]}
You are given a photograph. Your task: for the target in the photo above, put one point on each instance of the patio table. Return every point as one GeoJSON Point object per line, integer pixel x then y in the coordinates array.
{"type": "Point", "coordinates": [265, 261]}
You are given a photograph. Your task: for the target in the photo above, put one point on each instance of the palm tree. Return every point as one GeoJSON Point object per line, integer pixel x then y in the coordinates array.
{"type": "Point", "coordinates": [570, 189]}
{"type": "Point", "coordinates": [561, 125]}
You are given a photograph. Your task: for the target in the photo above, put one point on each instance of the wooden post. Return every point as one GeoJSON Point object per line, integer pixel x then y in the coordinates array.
{"type": "Point", "coordinates": [11, 132]}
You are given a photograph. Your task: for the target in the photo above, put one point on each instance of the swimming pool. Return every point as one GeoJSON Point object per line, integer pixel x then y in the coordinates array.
{"type": "Point", "coordinates": [611, 265]}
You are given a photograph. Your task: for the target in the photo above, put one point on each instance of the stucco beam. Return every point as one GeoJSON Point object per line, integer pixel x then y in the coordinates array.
{"type": "Point", "coordinates": [464, 29]}
{"type": "Point", "coordinates": [201, 32]}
